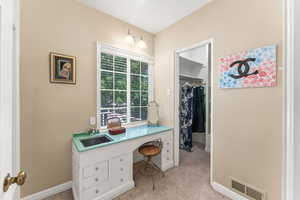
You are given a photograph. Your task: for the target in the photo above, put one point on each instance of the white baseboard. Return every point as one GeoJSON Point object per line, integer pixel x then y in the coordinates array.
{"type": "Point", "coordinates": [49, 192]}
{"type": "Point", "coordinates": [68, 185]}
{"type": "Point", "coordinates": [227, 192]}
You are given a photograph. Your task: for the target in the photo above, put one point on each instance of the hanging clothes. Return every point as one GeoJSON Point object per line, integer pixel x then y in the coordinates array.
{"type": "Point", "coordinates": [186, 117]}
{"type": "Point", "coordinates": [198, 123]}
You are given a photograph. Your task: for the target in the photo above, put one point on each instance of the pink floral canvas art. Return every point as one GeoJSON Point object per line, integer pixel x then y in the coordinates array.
{"type": "Point", "coordinates": [252, 68]}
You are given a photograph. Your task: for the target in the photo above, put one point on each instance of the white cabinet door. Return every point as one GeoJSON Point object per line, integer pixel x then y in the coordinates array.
{"type": "Point", "coordinates": [8, 99]}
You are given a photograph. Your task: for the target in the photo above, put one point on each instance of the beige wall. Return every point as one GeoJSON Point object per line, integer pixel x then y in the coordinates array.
{"type": "Point", "coordinates": [50, 113]}
{"type": "Point", "coordinates": [247, 122]}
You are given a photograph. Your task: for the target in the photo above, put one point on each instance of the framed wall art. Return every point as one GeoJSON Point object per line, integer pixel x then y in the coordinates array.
{"type": "Point", "coordinates": [62, 68]}
{"type": "Point", "coordinates": [248, 69]}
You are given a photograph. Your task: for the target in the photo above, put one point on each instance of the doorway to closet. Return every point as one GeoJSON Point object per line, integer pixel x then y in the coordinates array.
{"type": "Point", "coordinates": [193, 109]}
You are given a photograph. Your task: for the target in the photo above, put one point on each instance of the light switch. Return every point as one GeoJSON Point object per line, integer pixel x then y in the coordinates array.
{"type": "Point", "coordinates": [92, 120]}
{"type": "Point", "coordinates": [169, 92]}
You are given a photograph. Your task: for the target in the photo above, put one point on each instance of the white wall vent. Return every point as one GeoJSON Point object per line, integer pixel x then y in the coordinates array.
{"type": "Point", "coordinates": [247, 191]}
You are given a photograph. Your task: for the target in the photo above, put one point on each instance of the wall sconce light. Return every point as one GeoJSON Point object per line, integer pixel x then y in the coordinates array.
{"type": "Point", "coordinates": [130, 39]}
{"type": "Point", "coordinates": [142, 44]}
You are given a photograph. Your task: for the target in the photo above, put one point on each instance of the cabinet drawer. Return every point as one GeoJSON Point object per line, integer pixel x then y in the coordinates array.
{"type": "Point", "coordinates": [95, 180]}
{"type": "Point", "coordinates": [168, 157]}
{"type": "Point", "coordinates": [121, 170]}
{"type": "Point", "coordinates": [167, 144]}
{"type": "Point", "coordinates": [122, 161]}
{"type": "Point", "coordinates": [119, 180]}
{"type": "Point", "coordinates": [97, 168]}
{"type": "Point", "coordinates": [167, 151]}
{"type": "Point", "coordinates": [96, 191]}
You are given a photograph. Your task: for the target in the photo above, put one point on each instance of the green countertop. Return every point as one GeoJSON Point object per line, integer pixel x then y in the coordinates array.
{"type": "Point", "coordinates": [131, 133]}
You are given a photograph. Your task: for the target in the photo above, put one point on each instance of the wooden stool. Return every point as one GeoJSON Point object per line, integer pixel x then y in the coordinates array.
{"type": "Point", "coordinates": [149, 150]}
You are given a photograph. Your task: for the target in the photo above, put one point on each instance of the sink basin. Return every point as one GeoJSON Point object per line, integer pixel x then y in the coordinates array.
{"type": "Point", "coordinates": [95, 140]}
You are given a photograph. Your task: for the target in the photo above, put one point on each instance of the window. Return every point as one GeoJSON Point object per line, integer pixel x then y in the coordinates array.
{"type": "Point", "coordinates": [139, 90]}
{"type": "Point", "coordinates": [123, 89]}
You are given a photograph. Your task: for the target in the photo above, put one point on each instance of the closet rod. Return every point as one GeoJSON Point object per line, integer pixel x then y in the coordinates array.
{"type": "Point", "coordinates": [181, 77]}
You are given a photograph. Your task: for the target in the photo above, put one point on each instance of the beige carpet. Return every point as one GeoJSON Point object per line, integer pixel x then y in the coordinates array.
{"type": "Point", "coordinates": [189, 181]}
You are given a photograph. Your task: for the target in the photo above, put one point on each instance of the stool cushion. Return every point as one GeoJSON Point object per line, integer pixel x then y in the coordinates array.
{"type": "Point", "coordinates": [149, 150]}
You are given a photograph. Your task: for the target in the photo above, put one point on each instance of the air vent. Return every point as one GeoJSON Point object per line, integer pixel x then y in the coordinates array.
{"type": "Point", "coordinates": [247, 190]}
{"type": "Point", "coordinates": [238, 186]}
{"type": "Point", "coordinates": [254, 193]}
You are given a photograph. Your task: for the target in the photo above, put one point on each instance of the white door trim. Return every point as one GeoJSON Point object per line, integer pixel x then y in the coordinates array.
{"type": "Point", "coordinates": [176, 101]}
{"type": "Point", "coordinates": [16, 94]}
{"type": "Point", "coordinates": [288, 147]}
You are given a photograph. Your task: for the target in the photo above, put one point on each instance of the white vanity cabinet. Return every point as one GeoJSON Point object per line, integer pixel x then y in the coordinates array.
{"type": "Point", "coordinates": [165, 160]}
{"type": "Point", "coordinates": [105, 172]}
{"type": "Point", "coordinates": [101, 179]}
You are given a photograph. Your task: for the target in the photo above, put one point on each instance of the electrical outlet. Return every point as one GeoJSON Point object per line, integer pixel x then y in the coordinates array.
{"type": "Point", "coordinates": [92, 120]}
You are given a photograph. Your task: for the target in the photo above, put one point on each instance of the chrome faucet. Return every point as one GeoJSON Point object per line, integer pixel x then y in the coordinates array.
{"type": "Point", "coordinates": [93, 131]}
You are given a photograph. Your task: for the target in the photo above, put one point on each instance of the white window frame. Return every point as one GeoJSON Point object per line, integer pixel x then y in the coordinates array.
{"type": "Point", "coordinates": [109, 49]}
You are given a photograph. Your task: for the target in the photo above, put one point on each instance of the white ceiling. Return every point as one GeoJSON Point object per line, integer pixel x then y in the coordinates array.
{"type": "Point", "coordinates": [150, 15]}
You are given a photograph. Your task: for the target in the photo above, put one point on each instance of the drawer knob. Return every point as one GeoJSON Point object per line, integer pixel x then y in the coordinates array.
{"type": "Point", "coordinates": [121, 180]}
{"type": "Point", "coordinates": [97, 191]}
{"type": "Point", "coordinates": [96, 179]}
{"type": "Point", "coordinates": [168, 151]}
{"type": "Point", "coordinates": [96, 168]}
{"type": "Point", "coordinates": [121, 169]}
{"type": "Point", "coordinates": [121, 159]}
